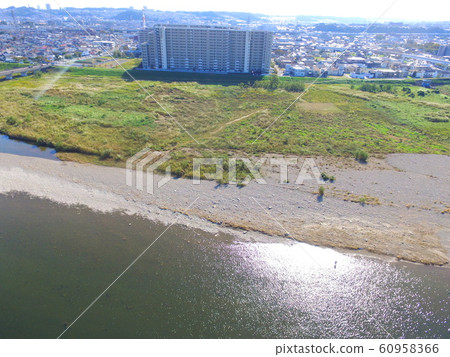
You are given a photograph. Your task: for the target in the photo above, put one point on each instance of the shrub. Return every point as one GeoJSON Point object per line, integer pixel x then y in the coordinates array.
{"type": "Point", "coordinates": [374, 88]}
{"type": "Point", "coordinates": [41, 141]}
{"type": "Point", "coordinates": [361, 155]}
{"type": "Point", "coordinates": [274, 81]}
{"type": "Point", "coordinates": [106, 154]}
{"type": "Point", "coordinates": [321, 191]}
{"type": "Point", "coordinates": [435, 119]}
{"type": "Point", "coordinates": [324, 176]}
{"type": "Point", "coordinates": [11, 121]}
{"type": "Point", "coordinates": [369, 87]}
{"type": "Point", "coordinates": [332, 179]}
{"type": "Point", "coordinates": [59, 146]}
{"type": "Point", "coordinates": [293, 86]}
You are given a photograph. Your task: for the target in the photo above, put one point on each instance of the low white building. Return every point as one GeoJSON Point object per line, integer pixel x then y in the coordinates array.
{"type": "Point", "coordinates": [364, 75]}
{"type": "Point", "coordinates": [296, 71]}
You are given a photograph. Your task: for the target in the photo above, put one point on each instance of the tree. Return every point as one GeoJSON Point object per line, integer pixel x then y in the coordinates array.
{"type": "Point", "coordinates": [40, 59]}
{"type": "Point", "coordinates": [274, 81]}
{"type": "Point", "coordinates": [117, 54]}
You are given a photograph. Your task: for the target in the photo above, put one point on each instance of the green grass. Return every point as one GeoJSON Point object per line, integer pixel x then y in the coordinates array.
{"type": "Point", "coordinates": [132, 63]}
{"type": "Point", "coordinates": [6, 66]}
{"type": "Point", "coordinates": [93, 71]}
{"type": "Point", "coordinates": [97, 115]}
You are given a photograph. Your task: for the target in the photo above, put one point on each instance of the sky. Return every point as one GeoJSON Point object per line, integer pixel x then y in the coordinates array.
{"type": "Point", "coordinates": [407, 10]}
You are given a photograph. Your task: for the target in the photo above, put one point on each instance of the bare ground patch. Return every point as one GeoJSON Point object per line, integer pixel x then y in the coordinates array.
{"type": "Point", "coordinates": [319, 107]}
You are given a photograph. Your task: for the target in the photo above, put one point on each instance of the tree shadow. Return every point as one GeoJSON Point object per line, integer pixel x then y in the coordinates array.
{"type": "Point", "coordinates": [201, 78]}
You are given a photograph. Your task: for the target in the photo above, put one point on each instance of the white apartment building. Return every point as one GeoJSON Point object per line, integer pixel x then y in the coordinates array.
{"type": "Point", "coordinates": [206, 49]}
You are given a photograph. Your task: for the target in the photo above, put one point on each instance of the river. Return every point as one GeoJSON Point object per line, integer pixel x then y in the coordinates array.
{"type": "Point", "coordinates": [17, 147]}
{"type": "Point", "coordinates": [55, 260]}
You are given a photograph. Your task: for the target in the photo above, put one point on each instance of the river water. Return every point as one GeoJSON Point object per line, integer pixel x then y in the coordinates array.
{"type": "Point", "coordinates": [17, 147]}
{"type": "Point", "coordinates": [55, 260]}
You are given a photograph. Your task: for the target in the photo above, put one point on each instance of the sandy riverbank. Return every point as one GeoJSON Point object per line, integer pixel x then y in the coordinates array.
{"type": "Point", "coordinates": [407, 218]}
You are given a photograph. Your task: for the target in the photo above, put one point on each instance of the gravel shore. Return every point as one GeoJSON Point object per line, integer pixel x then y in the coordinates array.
{"type": "Point", "coordinates": [397, 206]}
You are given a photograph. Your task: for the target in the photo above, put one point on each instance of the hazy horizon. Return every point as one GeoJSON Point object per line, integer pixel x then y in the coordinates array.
{"type": "Point", "coordinates": [400, 10]}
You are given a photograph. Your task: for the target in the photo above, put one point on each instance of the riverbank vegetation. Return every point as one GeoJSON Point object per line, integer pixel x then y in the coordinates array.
{"type": "Point", "coordinates": [6, 66]}
{"type": "Point", "coordinates": [99, 115]}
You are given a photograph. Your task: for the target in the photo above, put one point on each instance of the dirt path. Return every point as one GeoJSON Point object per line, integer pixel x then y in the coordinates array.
{"type": "Point", "coordinates": [223, 126]}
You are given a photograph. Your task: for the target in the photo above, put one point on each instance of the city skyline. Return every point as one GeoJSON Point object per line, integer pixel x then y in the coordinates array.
{"type": "Point", "coordinates": [401, 10]}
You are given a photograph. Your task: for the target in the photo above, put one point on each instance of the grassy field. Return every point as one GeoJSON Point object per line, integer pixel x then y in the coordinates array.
{"type": "Point", "coordinates": [98, 115]}
{"type": "Point", "coordinates": [108, 62]}
{"type": "Point", "coordinates": [5, 66]}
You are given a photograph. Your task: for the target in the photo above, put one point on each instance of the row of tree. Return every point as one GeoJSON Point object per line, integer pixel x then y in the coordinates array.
{"type": "Point", "coordinates": [274, 82]}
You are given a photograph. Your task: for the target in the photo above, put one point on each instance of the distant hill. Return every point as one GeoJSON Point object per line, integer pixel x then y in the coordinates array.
{"type": "Point", "coordinates": [330, 19]}
{"type": "Point", "coordinates": [244, 16]}
{"type": "Point", "coordinates": [379, 28]}
{"type": "Point", "coordinates": [23, 11]}
{"type": "Point", "coordinates": [129, 14]}
{"type": "Point", "coordinates": [321, 23]}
